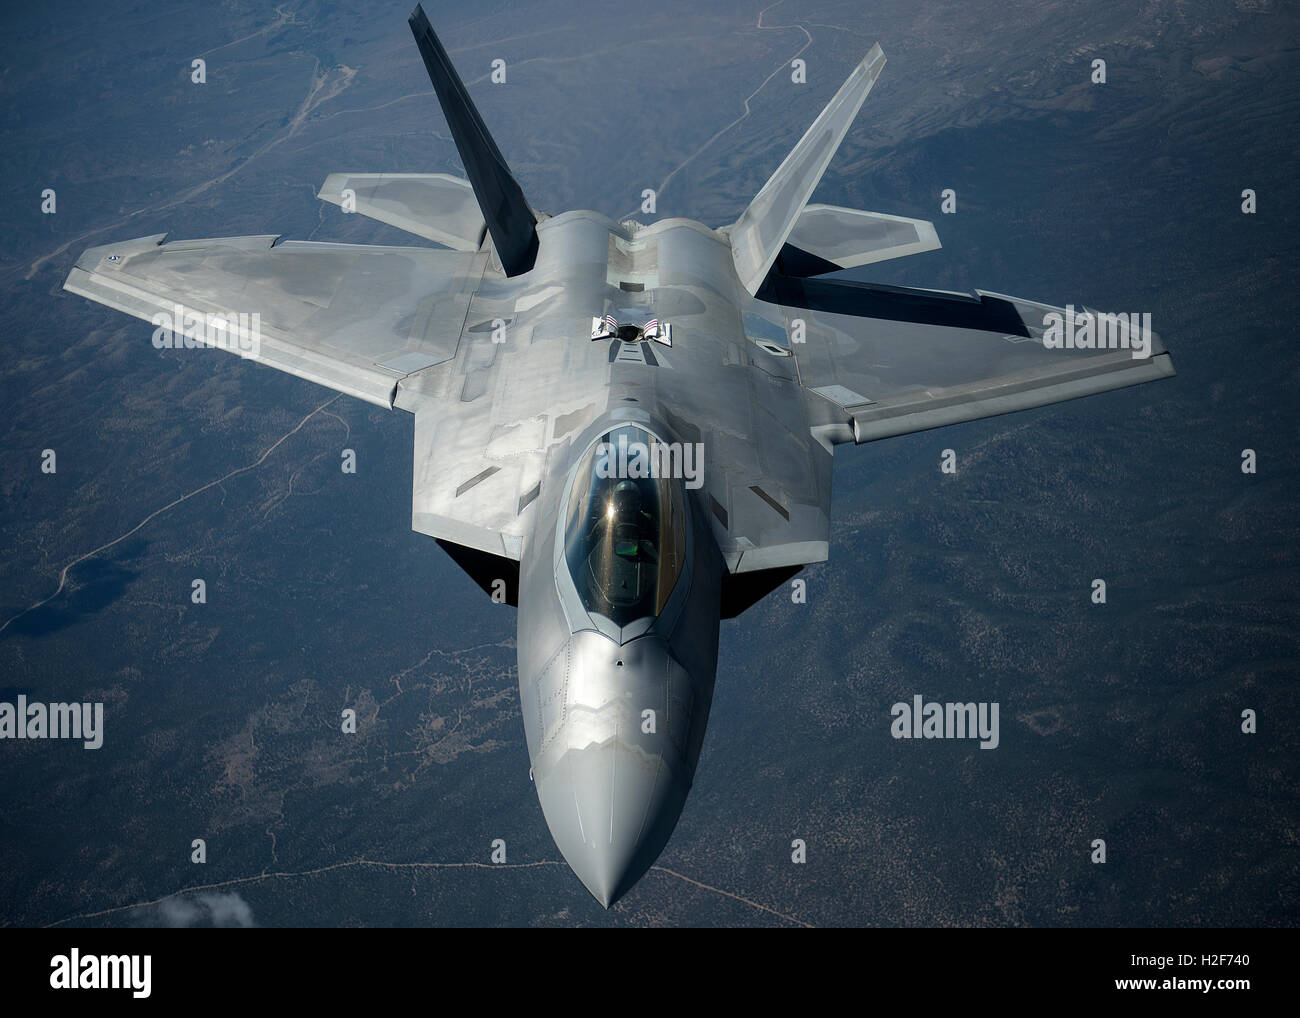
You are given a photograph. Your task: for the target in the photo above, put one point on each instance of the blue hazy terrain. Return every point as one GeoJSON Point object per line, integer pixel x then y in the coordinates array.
{"type": "Point", "coordinates": [1119, 721]}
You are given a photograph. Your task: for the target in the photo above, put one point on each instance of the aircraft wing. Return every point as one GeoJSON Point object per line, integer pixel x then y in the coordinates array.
{"type": "Point", "coordinates": [362, 320]}
{"type": "Point", "coordinates": [891, 360]}
{"type": "Point", "coordinates": [353, 318]}
{"type": "Point", "coordinates": [839, 238]}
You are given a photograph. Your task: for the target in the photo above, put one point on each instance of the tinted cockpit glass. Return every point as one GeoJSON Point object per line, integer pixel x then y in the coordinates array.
{"type": "Point", "coordinates": [625, 531]}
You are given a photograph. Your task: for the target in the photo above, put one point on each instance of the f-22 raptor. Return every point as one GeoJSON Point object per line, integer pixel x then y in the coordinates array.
{"type": "Point", "coordinates": [624, 430]}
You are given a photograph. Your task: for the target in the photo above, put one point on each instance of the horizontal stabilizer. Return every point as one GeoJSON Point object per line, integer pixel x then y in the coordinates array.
{"type": "Point", "coordinates": [758, 235]}
{"type": "Point", "coordinates": [839, 238]}
{"type": "Point", "coordinates": [435, 206]}
{"type": "Point", "coordinates": [509, 218]}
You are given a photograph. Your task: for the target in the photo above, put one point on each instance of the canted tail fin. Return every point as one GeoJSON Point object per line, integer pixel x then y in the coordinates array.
{"type": "Point", "coordinates": [757, 236]}
{"type": "Point", "coordinates": [510, 220]}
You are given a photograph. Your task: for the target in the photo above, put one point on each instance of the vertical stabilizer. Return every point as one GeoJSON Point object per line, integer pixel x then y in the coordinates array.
{"type": "Point", "coordinates": [757, 236]}
{"type": "Point", "coordinates": [510, 220]}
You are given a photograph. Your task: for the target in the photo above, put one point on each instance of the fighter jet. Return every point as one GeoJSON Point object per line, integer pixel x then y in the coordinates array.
{"type": "Point", "coordinates": [623, 429]}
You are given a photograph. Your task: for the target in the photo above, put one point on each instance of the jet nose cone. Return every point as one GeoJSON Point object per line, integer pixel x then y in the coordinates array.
{"type": "Point", "coordinates": [611, 809]}
{"type": "Point", "coordinates": [612, 754]}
